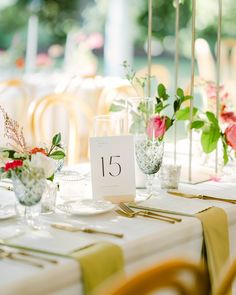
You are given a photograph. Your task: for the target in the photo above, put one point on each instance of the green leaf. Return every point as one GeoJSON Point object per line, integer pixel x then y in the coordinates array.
{"type": "Point", "coordinates": [116, 108]}
{"type": "Point", "coordinates": [168, 122]}
{"type": "Point", "coordinates": [57, 155]}
{"type": "Point", "coordinates": [209, 139]}
{"type": "Point", "coordinates": [137, 127]}
{"type": "Point", "coordinates": [212, 118]}
{"type": "Point", "coordinates": [180, 92]}
{"type": "Point", "coordinates": [184, 114]}
{"type": "Point", "coordinates": [51, 178]}
{"type": "Point", "coordinates": [187, 97]}
{"type": "Point", "coordinates": [197, 124]}
{"type": "Point", "coordinates": [161, 90]}
{"type": "Point", "coordinates": [176, 105]}
{"type": "Point", "coordinates": [56, 139]}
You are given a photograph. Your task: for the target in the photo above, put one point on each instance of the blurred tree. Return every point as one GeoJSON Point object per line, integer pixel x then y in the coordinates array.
{"type": "Point", "coordinates": [163, 18]}
{"type": "Point", "coordinates": [56, 17]}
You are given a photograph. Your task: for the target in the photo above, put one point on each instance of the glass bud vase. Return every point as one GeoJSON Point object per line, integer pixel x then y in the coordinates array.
{"type": "Point", "coordinates": [28, 188]}
{"type": "Point", "coordinates": [148, 147]}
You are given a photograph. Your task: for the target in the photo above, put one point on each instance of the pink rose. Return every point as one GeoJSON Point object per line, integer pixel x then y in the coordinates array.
{"type": "Point", "coordinates": [230, 135]}
{"type": "Point", "coordinates": [156, 126]}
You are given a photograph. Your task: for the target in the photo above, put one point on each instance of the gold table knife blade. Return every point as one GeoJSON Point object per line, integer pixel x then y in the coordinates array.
{"type": "Point", "coordinates": [202, 197]}
{"type": "Point", "coordinates": [71, 228]}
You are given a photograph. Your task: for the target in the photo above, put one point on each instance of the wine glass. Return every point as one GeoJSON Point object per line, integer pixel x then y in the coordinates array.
{"type": "Point", "coordinates": [28, 188]}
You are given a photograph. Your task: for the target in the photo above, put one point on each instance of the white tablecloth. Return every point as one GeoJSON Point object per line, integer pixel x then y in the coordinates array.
{"type": "Point", "coordinates": [145, 241]}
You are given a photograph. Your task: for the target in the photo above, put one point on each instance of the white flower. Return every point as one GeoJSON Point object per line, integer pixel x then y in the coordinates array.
{"type": "Point", "coordinates": [48, 165]}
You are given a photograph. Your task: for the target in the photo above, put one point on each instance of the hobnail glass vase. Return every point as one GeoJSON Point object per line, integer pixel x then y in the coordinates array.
{"type": "Point", "coordinates": [28, 188]}
{"type": "Point", "coordinates": [149, 154]}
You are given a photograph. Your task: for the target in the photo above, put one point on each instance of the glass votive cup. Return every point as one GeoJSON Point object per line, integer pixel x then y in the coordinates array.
{"type": "Point", "coordinates": [49, 197]}
{"type": "Point", "coordinates": [169, 176]}
{"type": "Point", "coordinates": [69, 183]}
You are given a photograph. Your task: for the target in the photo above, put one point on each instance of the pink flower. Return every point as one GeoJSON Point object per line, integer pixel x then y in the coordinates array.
{"type": "Point", "coordinates": [230, 135]}
{"type": "Point", "coordinates": [156, 126]}
{"type": "Point", "coordinates": [227, 116]}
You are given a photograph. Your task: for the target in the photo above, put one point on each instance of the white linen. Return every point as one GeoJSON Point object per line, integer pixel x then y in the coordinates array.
{"type": "Point", "coordinates": [145, 241]}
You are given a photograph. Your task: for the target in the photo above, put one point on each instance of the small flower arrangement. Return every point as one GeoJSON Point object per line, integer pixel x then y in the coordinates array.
{"type": "Point", "coordinates": [20, 160]}
{"type": "Point", "coordinates": [159, 121]}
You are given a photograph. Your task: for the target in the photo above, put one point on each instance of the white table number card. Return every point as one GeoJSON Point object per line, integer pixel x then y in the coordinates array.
{"type": "Point", "coordinates": [112, 168]}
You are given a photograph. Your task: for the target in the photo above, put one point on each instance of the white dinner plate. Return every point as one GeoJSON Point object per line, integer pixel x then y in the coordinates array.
{"type": "Point", "coordinates": [7, 212]}
{"type": "Point", "coordinates": [86, 207]}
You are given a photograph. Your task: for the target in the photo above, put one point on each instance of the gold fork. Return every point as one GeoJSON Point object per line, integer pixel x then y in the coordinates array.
{"type": "Point", "coordinates": [131, 215]}
{"type": "Point", "coordinates": [127, 209]}
{"type": "Point", "coordinates": [12, 256]}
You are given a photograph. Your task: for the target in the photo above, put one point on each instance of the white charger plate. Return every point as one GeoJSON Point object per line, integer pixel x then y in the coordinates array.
{"type": "Point", "coordinates": [86, 207]}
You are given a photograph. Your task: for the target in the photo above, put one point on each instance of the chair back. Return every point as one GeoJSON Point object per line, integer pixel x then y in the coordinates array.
{"type": "Point", "coordinates": [75, 127]}
{"type": "Point", "coordinates": [110, 94]}
{"type": "Point", "coordinates": [15, 97]}
{"type": "Point", "coordinates": [159, 72]}
{"type": "Point", "coordinates": [180, 276]}
{"type": "Point", "coordinates": [226, 279]}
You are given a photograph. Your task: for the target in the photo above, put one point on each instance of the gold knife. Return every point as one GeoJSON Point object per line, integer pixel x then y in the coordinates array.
{"type": "Point", "coordinates": [72, 228]}
{"type": "Point", "coordinates": [202, 197]}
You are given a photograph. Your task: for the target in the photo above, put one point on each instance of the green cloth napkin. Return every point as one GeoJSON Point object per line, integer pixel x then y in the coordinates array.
{"type": "Point", "coordinates": [216, 241]}
{"type": "Point", "coordinates": [98, 263]}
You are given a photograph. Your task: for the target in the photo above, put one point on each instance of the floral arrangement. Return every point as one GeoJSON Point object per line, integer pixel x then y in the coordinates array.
{"type": "Point", "coordinates": [21, 160]}
{"type": "Point", "coordinates": [159, 122]}
{"type": "Point", "coordinates": [212, 130]}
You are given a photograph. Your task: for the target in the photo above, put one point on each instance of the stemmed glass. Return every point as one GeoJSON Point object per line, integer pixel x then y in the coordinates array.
{"type": "Point", "coordinates": [28, 189]}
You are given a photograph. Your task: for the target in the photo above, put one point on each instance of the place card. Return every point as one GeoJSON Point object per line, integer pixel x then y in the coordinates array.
{"type": "Point", "coordinates": [112, 168]}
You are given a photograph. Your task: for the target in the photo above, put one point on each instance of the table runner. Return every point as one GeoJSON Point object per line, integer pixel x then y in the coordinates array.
{"type": "Point", "coordinates": [216, 241]}
{"type": "Point", "coordinates": [98, 263]}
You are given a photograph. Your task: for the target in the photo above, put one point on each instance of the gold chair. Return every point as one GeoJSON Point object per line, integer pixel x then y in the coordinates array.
{"type": "Point", "coordinates": [15, 97]}
{"type": "Point", "coordinates": [183, 277]}
{"type": "Point", "coordinates": [226, 279]}
{"type": "Point", "coordinates": [159, 72]}
{"type": "Point", "coordinates": [205, 60]}
{"type": "Point", "coordinates": [79, 118]}
{"type": "Point", "coordinates": [110, 94]}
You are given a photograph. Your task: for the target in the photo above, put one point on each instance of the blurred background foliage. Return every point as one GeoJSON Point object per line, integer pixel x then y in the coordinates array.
{"type": "Point", "coordinates": [58, 17]}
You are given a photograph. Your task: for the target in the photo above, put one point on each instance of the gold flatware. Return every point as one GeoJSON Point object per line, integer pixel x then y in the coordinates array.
{"type": "Point", "coordinates": [126, 208]}
{"type": "Point", "coordinates": [202, 197]}
{"type": "Point", "coordinates": [72, 228]}
{"type": "Point", "coordinates": [13, 256]}
{"type": "Point", "coordinates": [37, 257]}
{"type": "Point", "coordinates": [133, 205]}
{"type": "Point", "coordinates": [131, 215]}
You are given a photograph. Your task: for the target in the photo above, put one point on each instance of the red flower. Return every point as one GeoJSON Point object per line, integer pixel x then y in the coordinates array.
{"type": "Point", "coordinates": [38, 150]}
{"type": "Point", "coordinates": [156, 126]}
{"type": "Point", "coordinates": [230, 135]}
{"type": "Point", "coordinates": [13, 165]}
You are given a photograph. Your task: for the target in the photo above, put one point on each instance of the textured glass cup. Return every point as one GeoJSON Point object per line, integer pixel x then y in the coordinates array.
{"type": "Point", "coordinates": [48, 202]}
{"type": "Point", "coordinates": [28, 189]}
{"type": "Point", "coordinates": [170, 175]}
